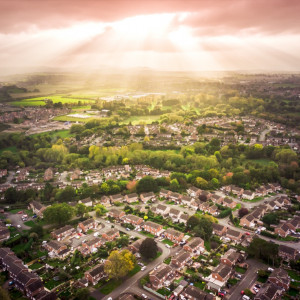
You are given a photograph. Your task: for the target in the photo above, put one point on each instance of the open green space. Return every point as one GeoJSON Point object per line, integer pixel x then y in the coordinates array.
{"type": "Point", "coordinates": [136, 120]}
{"type": "Point", "coordinates": [110, 286]}
{"type": "Point", "coordinates": [168, 242]}
{"type": "Point", "coordinates": [147, 234]}
{"type": "Point", "coordinates": [41, 101]}
{"type": "Point", "coordinates": [35, 266]}
{"type": "Point", "coordinates": [56, 133]}
{"type": "Point", "coordinates": [29, 223]}
{"type": "Point", "coordinates": [163, 291]}
{"type": "Point", "coordinates": [240, 270]}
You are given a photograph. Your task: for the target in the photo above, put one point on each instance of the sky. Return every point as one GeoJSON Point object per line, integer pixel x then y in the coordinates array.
{"type": "Point", "coordinates": [169, 35]}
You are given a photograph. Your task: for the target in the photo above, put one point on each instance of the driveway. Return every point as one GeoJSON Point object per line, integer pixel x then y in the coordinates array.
{"type": "Point", "coordinates": [248, 279]}
{"type": "Point", "coordinates": [16, 219]}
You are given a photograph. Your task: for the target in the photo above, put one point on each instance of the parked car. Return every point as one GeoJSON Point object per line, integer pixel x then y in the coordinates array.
{"type": "Point", "coordinates": [20, 212]}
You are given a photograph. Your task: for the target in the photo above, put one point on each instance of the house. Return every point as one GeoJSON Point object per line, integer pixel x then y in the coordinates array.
{"type": "Point", "coordinates": [221, 273]}
{"type": "Point", "coordinates": [248, 195]}
{"type": "Point", "coordinates": [95, 274]}
{"type": "Point", "coordinates": [287, 253]}
{"type": "Point", "coordinates": [294, 224]}
{"type": "Point", "coordinates": [87, 224]}
{"type": "Point", "coordinates": [162, 209]}
{"type": "Point", "coordinates": [213, 210]}
{"type": "Point", "coordinates": [229, 203]}
{"type": "Point", "coordinates": [134, 220]}
{"type": "Point", "coordinates": [162, 275]}
{"type": "Point", "coordinates": [258, 213]}
{"type": "Point", "coordinates": [194, 293]}
{"type": "Point", "coordinates": [174, 214]}
{"type": "Point", "coordinates": [219, 229]}
{"type": "Point", "coordinates": [174, 235]}
{"type": "Point", "coordinates": [63, 232]}
{"type": "Point", "coordinates": [4, 233]}
{"type": "Point", "coordinates": [195, 204]}
{"type": "Point", "coordinates": [37, 208]}
{"type": "Point", "coordinates": [282, 230]}
{"type": "Point", "coordinates": [153, 228]}
{"type": "Point", "coordinates": [92, 245]}
{"type": "Point", "coordinates": [269, 291]}
{"type": "Point", "coordinates": [237, 191]}
{"type": "Point", "coordinates": [56, 248]}
{"type": "Point", "coordinates": [34, 289]}
{"type": "Point", "coordinates": [193, 192]}
{"type": "Point", "coordinates": [105, 201]}
{"type": "Point", "coordinates": [164, 193]}
{"type": "Point", "coordinates": [145, 197]}
{"type": "Point", "coordinates": [87, 202]}
{"type": "Point", "coordinates": [48, 175]}
{"type": "Point", "coordinates": [116, 213]}
{"type": "Point", "coordinates": [261, 191]}
{"type": "Point", "coordinates": [234, 235]}
{"type": "Point", "coordinates": [181, 259]}
{"type": "Point", "coordinates": [116, 198]}
{"type": "Point", "coordinates": [5, 252]}
{"type": "Point", "coordinates": [186, 200]}
{"type": "Point", "coordinates": [183, 218]}
{"type": "Point", "coordinates": [131, 198]}
{"type": "Point", "coordinates": [280, 278]}
{"type": "Point", "coordinates": [195, 246]}
{"type": "Point", "coordinates": [230, 258]}
{"type": "Point", "coordinates": [248, 221]}
{"type": "Point", "coordinates": [24, 280]}
{"type": "Point", "coordinates": [176, 197]}
{"type": "Point", "coordinates": [111, 234]}
{"type": "Point", "coordinates": [204, 206]}
{"type": "Point", "coordinates": [217, 199]}
{"type": "Point", "coordinates": [135, 246]}
{"type": "Point", "coordinates": [272, 205]}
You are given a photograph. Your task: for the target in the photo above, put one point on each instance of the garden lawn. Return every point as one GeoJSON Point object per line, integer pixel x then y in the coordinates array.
{"type": "Point", "coordinates": [168, 242]}
{"type": "Point", "coordinates": [12, 149]}
{"type": "Point", "coordinates": [135, 270]}
{"type": "Point", "coordinates": [293, 275]}
{"type": "Point", "coordinates": [163, 291]}
{"type": "Point", "coordinates": [110, 286]}
{"type": "Point", "coordinates": [200, 285]}
{"type": "Point", "coordinates": [240, 270]}
{"type": "Point", "coordinates": [35, 266]}
{"type": "Point", "coordinates": [29, 223]}
{"type": "Point", "coordinates": [147, 234]}
{"type": "Point", "coordinates": [51, 284]}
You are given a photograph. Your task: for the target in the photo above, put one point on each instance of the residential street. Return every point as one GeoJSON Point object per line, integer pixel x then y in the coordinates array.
{"type": "Point", "coordinates": [248, 279]}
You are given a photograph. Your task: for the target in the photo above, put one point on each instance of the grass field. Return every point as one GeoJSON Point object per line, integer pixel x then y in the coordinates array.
{"type": "Point", "coordinates": [40, 101]}
{"type": "Point", "coordinates": [135, 120]}
{"type": "Point", "coordinates": [110, 286]}
{"type": "Point", "coordinates": [59, 133]}
{"type": "Point", "coordinates": [74, 119]}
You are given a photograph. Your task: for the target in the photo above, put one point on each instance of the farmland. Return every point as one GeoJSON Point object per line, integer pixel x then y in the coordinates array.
{"type": "Point", "coordinates": [41, 101]}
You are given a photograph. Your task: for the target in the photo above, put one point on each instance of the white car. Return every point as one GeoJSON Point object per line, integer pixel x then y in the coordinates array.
{"type": "Point", "coordinates": [19, 226]}
{"type": "Point", "coordinates": [143, 268]}
{"type": "Point", "coordinates": [144, 296]}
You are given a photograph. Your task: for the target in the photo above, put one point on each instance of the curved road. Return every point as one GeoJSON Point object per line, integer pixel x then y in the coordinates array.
{"type": "Point", "coordinates": [132, 284]}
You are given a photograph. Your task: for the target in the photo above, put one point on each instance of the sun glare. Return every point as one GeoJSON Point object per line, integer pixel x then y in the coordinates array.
{"type": "Point", "coordinates": [142, 25]}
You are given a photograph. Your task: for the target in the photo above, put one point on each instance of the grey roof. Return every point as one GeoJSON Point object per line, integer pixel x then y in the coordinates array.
{"type": "Point", "coordinates": [99, 269]}
{"type": "Point", "coordinates": [63, 229]}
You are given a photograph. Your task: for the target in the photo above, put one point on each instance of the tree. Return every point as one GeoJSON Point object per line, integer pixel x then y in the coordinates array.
{"type": "Point", "coordinates": [3, 294]}
{"type": "Point", "coordinates": [204, 229]}
{"type": "Point", "coordinates": [119, 263]}
{"type": "Point", "coordinates": [147, 184]}
{"type": "Point", "coordinates": [82, 294]}
{"type": "Point", "coordinates": [243, 212]}
{"type": "Point", "coordinates": [58, 213]}
{"type": "Point", "coordinates": [38, 229]}
{"type": "Point", "coordinates": [100, 210]}
{"type": "Point", "coordinates": [11, 195]}
{"type": "Point", "coordinates": [270, 218]}
{"type": "Point", "coordinates": [66, 195]}
{"type": "Point", "coordinates": [201, 183]}
{"type": "Point", "coordinates": [80, 209]}
{"type": "Point", "coordinates": [148, 248]}
{"type": "Point", "coordinates": [192, 222]}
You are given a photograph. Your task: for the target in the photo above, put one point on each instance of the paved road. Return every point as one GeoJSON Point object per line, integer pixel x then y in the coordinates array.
{"type": "Point", "coordinates": [262, 136]}
{"type": "Point", "coordinates": [132, 284]}
{"type": "Point", "coordinates": [248, 279]}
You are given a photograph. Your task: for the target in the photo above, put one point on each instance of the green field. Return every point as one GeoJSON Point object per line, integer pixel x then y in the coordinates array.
{"type": "Point", "coordinates": [263, 162]}
{"type": "Point", "coordinates": [40, 101]}
{"type": "Point", "coordinates": [74, 119]}
{"type": "Point", "coordinates": [59, 133]}
{"type": "Point", "coordinates": [11, 149]}
{"type": "Point", "coordinates": [136, 120]}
